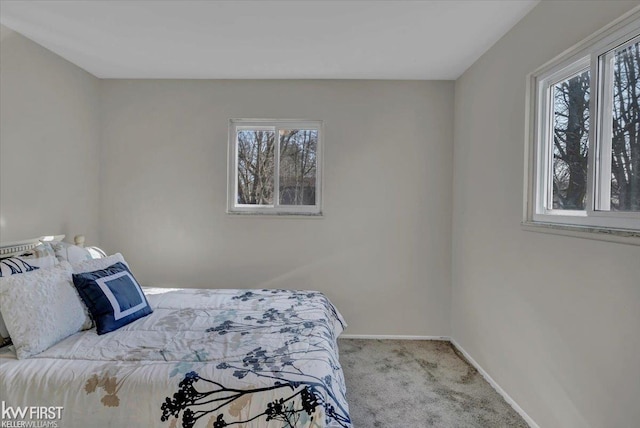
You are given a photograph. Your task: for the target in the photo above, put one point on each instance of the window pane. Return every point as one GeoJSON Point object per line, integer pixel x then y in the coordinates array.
{"type": "Point", "coordinates": [298, 166]}
{"type": "Point", "coordinates": [570, 142]}
{"type": "Point", "coordinates": [625, 141]}
{"type": "Point", "coordinates": [255, 167]}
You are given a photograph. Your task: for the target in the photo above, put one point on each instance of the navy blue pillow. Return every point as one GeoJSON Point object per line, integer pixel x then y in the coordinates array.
{"type": "Point", "coordinates": [113, 296]}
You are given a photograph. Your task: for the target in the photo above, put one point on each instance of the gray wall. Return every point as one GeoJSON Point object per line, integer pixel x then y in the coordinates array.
{"type": "Point", "coordinates": [553, 319]}
{"type": "Point", "coordinates": [49, 129]}
{"type": "Point", "coordinates": [382, 250]}
{"type": "Point", "coordinates": [140, 167]}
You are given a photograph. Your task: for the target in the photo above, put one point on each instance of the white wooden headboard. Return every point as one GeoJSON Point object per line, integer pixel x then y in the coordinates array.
{"type": "Point", "coordinates": [8, 249]}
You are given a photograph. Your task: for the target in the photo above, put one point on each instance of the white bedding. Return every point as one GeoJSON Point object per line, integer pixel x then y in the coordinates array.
{"type": "Point", "coordinates": [203, 358]}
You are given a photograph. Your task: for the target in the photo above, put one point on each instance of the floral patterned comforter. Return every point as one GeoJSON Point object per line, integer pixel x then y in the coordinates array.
{"type": "Point", "coordinates": [203, 358]}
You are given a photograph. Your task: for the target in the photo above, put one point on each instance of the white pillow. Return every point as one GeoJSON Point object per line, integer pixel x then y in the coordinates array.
{"type": "Point", "coordinates": [41, 256]}
{"type": "Point", "coordinates": [41, 308]}
{"type": "Point", "coordinates": [98, 264]}
{"type": "Point", "coordinates": [69, 252]}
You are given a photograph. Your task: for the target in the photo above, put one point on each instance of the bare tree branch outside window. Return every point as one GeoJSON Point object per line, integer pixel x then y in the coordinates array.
{"type": "Point", "coordinates": [256, 164]}
{"type": "Point", "coordinates": [571, 136]}
{"type": "Point", "coordinates": [298, 166]}
{"type": "Point", "coordinates": [570, 142]}
{"type": "Point", "coordinates": [625, 150]}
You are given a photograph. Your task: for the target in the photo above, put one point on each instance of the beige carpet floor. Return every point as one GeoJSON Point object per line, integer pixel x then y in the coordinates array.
{"type": "Point", "coordinates": [415, 384]}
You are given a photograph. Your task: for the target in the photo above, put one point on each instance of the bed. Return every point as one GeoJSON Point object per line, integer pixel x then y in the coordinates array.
{"type": "Point", "coordinates": [203, 358]}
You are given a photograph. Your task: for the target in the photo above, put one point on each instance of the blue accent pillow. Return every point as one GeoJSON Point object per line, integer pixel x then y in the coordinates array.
{"type": "Point", "coordinates": [113, 296]}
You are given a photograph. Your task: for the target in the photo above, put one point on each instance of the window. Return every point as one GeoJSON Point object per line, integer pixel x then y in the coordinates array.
{"type": "Point", "coordinates": [584, 142]}
{"type": "Point", "coordinates": [275, 167]}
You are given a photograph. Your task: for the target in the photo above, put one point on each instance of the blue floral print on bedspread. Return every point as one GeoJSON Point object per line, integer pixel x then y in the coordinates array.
{"type": "Point", "coordinates": [297, 397]}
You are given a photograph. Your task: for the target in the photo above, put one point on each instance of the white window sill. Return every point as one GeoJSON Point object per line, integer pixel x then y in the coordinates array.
{"type": "Point", "coordinates": [275, 214]}
{"type": "Point", "coordinates": [621, 236]}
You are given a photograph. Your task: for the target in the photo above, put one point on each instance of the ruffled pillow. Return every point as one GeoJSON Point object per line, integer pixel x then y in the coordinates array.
{"type": "Point", "coordinates": [71, 253]}
{"type": "Point", "coordinates": [41, 308]}
{"type": "Point", "coordinates": [41, 256]}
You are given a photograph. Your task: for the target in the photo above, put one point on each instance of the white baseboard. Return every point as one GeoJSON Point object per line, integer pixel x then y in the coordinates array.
{"type": "Point", "coordinates": [392, 337]}
{"type": "Point", "coordinates": [495, 385]}
{"type": "Point", "coordinates": [469, 358]}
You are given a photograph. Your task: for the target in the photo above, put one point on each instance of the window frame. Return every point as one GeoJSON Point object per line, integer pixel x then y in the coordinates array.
{"type": "Point", "coordinates": [588, 54]}
{"type": "Point", "coordinates": [232, 167]}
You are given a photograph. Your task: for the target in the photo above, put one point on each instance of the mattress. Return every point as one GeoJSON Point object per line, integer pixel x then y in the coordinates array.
{"type": "Point", "coordinates": [203, 358]}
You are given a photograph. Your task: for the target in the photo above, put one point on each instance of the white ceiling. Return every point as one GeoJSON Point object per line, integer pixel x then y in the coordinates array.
{"type": "Point", "coordinates": [303, 39]}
